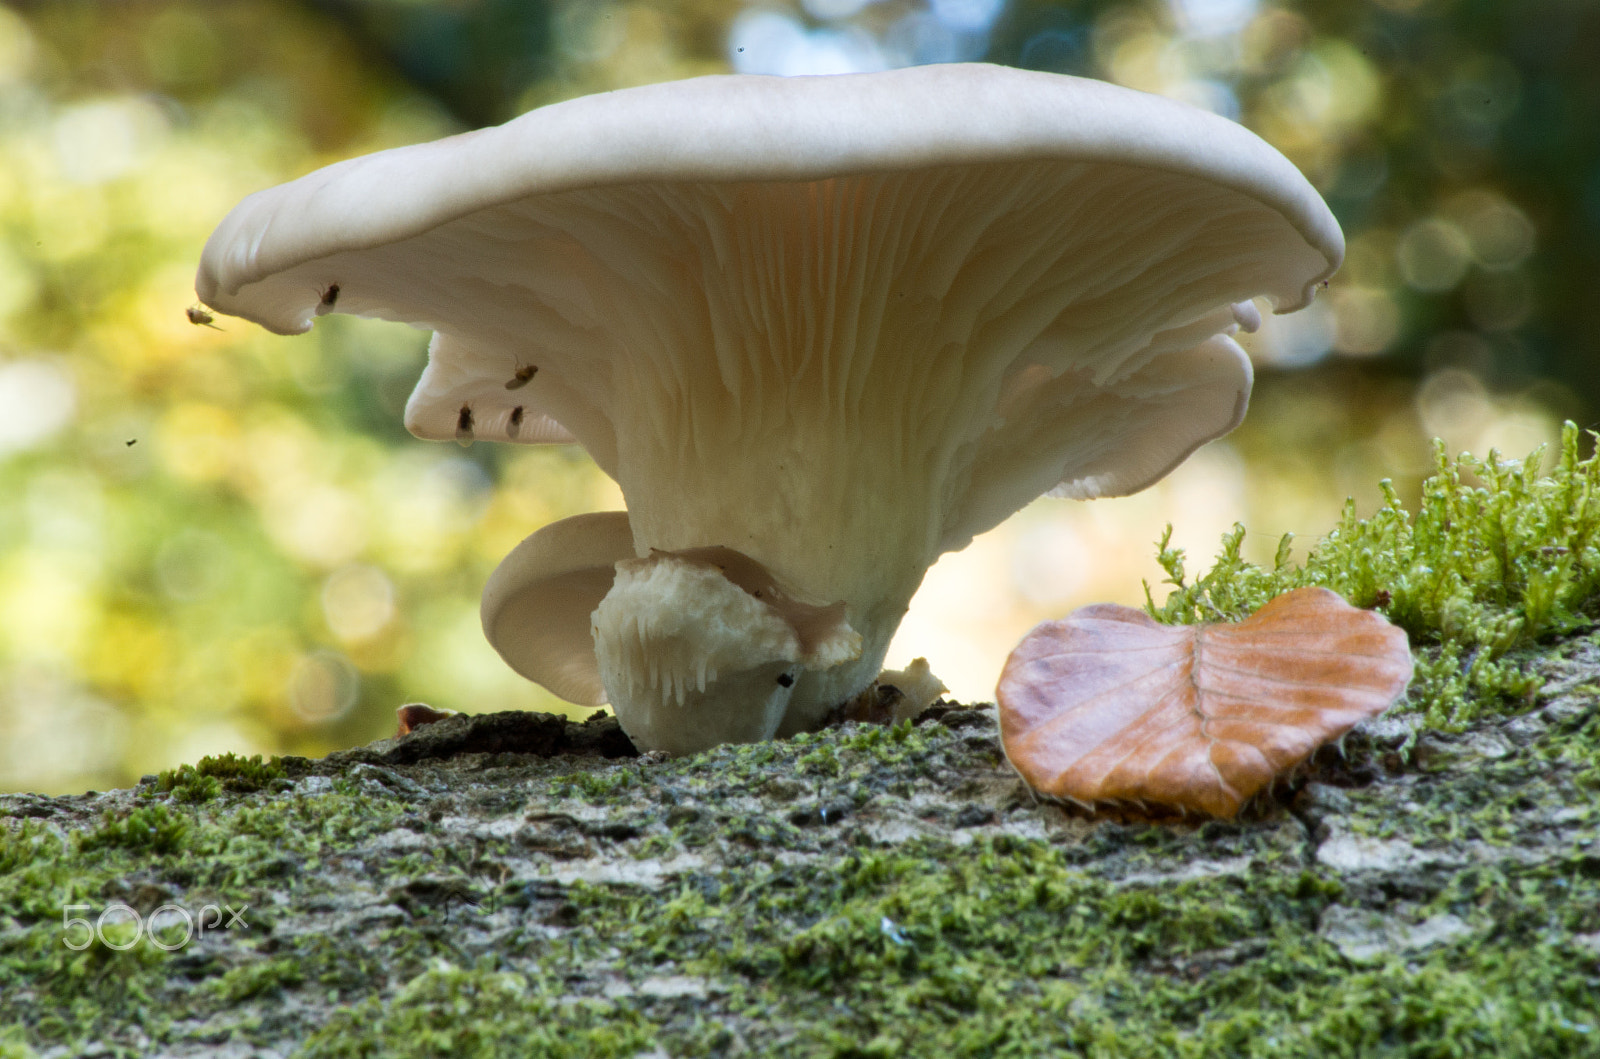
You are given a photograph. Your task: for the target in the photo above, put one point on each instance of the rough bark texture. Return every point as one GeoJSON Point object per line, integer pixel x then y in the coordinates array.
{"type": "Point", "coordinates": [512, 884]}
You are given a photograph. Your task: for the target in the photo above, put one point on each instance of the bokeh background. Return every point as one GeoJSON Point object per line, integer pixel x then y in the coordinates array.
{"type": "Point", "coordinates": [221, 540]}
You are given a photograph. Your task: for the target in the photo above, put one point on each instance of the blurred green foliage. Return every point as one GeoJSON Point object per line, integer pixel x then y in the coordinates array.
{"type": "Point", "coordinates": [1454, 139]}
{"type": "Point", "coordinates": [213, 539]}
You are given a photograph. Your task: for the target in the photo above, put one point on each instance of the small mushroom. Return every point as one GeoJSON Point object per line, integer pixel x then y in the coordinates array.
{"type": "Point", "coordinates": [537, 604]}
{"type": "Point", "coordinates": [917, 685]}
{"type": "Point", "coordinates": [830, 327]}
{"type": "Point", "coordinates": [897, 695]}
{"type": "Point", "coordinates": [414, 715]}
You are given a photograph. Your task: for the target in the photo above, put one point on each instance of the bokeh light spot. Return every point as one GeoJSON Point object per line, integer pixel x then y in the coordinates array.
{"type": "Point", "coordinates": [1273, 40]}
{"type": "Point", "coordinates": [358, 602]}
{"type": "Point", "coordinates": [97, 142]}
{"type": "Point", "coordinates": [46, 607]}
{"type": "Point", "coordinates": [1294, 340]}
{"type": "Point", "coordinates": [971, 16]}
{"type": "Point", "coordinates": [1500, 235]}
{"type": "Point", "coordinates": [1213, 18]}
{"type": "Point", "coordinates": [1366, 320]}
{"type": "Point", "coordinates": [324, 525]}
{"type": "Point", "coordinates": [1454, 405]}
{"type": "Point", "coordinates": [323, 687]}
{"type": "Point", "coordinates": [37, 399]}
{"type": "Point", "coordinates": [1433, 255]}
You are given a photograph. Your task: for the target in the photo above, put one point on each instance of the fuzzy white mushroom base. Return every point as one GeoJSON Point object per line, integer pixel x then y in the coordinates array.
{"type": "Point", "coordinates": [691, 660]}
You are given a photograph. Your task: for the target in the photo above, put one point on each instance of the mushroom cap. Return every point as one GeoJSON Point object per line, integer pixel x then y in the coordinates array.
{"type": "Point", "coordinates": [557, 240]}
{"type": "Point", "coordinates": [536, 604]}
{"type": "Point", "coordinates": [725, 129]}
{"type": "Point", "coordinates": [837, 325]}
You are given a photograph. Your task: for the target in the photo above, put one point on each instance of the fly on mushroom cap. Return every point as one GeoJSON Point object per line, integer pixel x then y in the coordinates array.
{"type": "Point", "coordinates": [835, 326]}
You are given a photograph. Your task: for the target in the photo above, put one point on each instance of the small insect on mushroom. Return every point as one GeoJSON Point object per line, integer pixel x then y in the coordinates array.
{"type": "Point", "coordinates": [464, 426]}
{"type": "Point", "coordinates": [522, 377]}
{"type": "Point", "coordinates": [200, 318]}
{"type": "Point", "coordinates": [329, 296]}
{"type": "Point", "coordinates": [514, 424]}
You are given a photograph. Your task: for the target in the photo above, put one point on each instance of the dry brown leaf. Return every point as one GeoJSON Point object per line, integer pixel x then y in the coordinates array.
{"type": "Point", "coordinates": [1108, 705]}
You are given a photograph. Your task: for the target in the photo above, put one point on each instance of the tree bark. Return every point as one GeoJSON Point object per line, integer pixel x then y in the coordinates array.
{"type": "Point", "coordinates": [516, 884]}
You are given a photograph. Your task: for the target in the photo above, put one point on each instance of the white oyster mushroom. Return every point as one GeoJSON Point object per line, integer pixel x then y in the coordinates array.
{"type": "Point", "coordinates": [820, 330]}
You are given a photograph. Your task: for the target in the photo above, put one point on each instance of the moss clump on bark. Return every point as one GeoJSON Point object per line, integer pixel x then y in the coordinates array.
{"type": "Point", "coordinates": [1480, 571]}
{"type": "Point", "coordinates": [210, 776]}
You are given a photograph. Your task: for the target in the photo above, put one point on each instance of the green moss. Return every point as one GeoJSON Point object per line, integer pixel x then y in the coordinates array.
{"type": "Point", "coordinates": [1007, 950]}
{"type": "Point", "coordinates": [1000, 949]}
{"type": "Point", "coordinates": [236, 857]}
{"type": "Point", "coordinates": [842, 753]}
{"type": "Point", "coordinates": [212, 775]}
{"type": "Point", "coordinates": [148, 829]}
{"type": "Point", "coordinates": [449, 1012]}
{"type": "Point", "coordinates": [12, 1045]}
{"type": "Point", "coordinates": [1480, 571]}
{"type": "Point", "coordinates": [25, 844]}
{"type": "Point", "coordinates": [255, 979]}
{"type": "Point", "coordinates": [599, 784]}
{"type": "Point", "coordinates": [880, 744]}
{"type": "Point", "coordinates": [1115, 941]}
